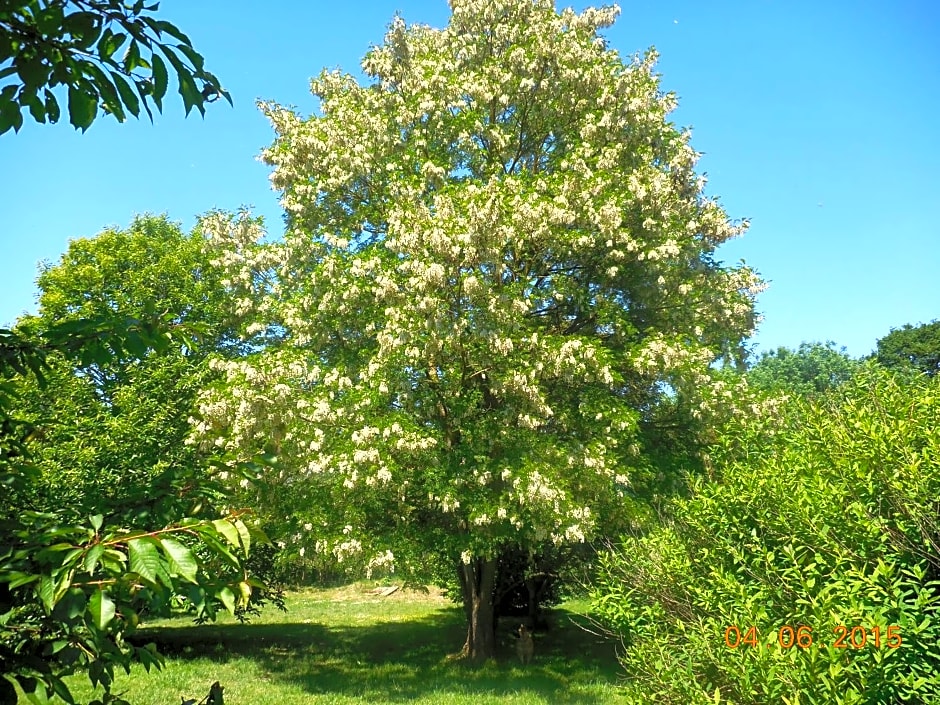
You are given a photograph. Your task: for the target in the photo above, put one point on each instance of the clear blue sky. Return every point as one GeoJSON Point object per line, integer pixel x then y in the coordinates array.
{"type": "Point", "coordinates": [818, 120]}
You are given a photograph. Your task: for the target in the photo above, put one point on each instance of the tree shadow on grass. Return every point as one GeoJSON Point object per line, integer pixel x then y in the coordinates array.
{"type": "Point", "coordinates": [399, 661]}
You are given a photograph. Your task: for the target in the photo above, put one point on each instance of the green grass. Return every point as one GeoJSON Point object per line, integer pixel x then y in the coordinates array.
{"type": "Point", "coordinates": [346, 646]}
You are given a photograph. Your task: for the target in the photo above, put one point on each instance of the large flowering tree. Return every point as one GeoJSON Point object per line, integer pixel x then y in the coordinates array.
{"type": "Point", "coordinates": [499, 256]}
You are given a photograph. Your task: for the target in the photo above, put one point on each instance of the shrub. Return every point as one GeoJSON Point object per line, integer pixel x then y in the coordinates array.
{"type": "Point", "coordinates": [827, 520]}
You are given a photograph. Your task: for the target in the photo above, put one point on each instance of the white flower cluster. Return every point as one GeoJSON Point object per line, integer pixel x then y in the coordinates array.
{"type": "Point", "coordinates": [448, 503]}
{"type": "Point", "coordinates": [384, 561]}
{"type": "Point", "coordinates": [345, 549]}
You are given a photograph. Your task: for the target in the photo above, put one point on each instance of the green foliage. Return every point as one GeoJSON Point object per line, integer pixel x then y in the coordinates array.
{"type": "Point", "coordinates": [150, 267]}
{"type": "Point", "coordinates": [111, 423]}
{"type": "Point", "coordinates": [911, 348]}
{"type": "Point", "coordinates": [810, 370]}
{"type": "Point", "coordinates": [28, 354]}
{"type": "Point", "coordinates": [76, 592]}
{"type": "Point", "coordinates": [72, 588]}
{"type": "Point", "coordinates": [108, 515]}
{"type": "Point", "coordinates": [826, 518]}
{"type": "Point", "coordinates": [107, 53]}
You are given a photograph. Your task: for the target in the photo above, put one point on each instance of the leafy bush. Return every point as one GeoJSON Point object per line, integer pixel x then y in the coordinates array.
{"type": "Point", "coordinates": [73, 587]}
{"type": "Point", "coordinates": [826, 519]}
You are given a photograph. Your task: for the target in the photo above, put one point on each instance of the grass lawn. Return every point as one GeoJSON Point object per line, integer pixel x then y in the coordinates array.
{"type": "Point", "coordinates": [347, 645]}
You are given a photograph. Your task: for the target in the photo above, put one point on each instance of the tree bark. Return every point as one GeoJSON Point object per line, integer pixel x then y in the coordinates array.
{"type": "Point", "coordinates": [477, 580]}
{"type": "Point", "coordinates": [533, 603]}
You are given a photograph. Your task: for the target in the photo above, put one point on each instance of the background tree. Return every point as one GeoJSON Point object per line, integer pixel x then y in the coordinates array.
{"type": "Point", "coordinates": [810, 370]}
{"type": "Point", "coordinates": [76, 44]}
{"type": "Point", "coordinates": [499, 259]}
{"type": "Point", "coordinates": [104, 504]}
{"type": "Point", "coordinates": [113, 431]}
{"type": "Point", "coordinates": [911, 347]}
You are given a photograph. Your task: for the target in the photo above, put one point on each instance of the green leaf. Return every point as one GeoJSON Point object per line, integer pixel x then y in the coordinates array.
{"type": "Point", "coordinates": [39, 696]}
{"type": "Point", "coordinates": [244, 590]}
{"type": "Point", "coordinates": [194, 57]}
{"type": "Point", "coordinates": [76, 602]}
{"type": "Point", "coordinates": [258, 535]}
{"type": "Point", "coordinates": [70, 606]}
{"type": "Point", "coordinates": [107, 92]}
{"type": "Point", "coordinates": [10, 116]}
{"type": "Point", "coordinates": [244, 534]}
{"type": "Point", "coordinates": [130, 100]}
{"type": "Point", "coordinates": [197, 597]}
{"type": "Point", "coordinates": [134, 343]}
{"type": "Point", "coordinates": [145, 561]}
{"type": "Point", "coordinates": [92, 558]}
{"type": "Point", "coordinates": [56, 646]}
{"type": "Point", "coordinates": [63, 579]}
{"type": "Point", "coordinates": [214, 83]}
{"type": "Point", "coordinates": [192, 96]}
{"type": "Point", "coordinates": [48, 20]}
{"type": "Point", "coordinates": [113, 560]}
{"type": "Point", "coordinates": [82, 108]}
{"type": "Point", "coordinates": [209, 538]}
{"type": "Point", "coordinates": [71, 558]}
{"type": "Point", "coordinates": [145, 90]}
{"type": "Point", "coordinates": [61, 689]}
{"type": "Point", "coordinates": [180, 558]}
{"type": "Point", "coordinates": [161, 79]}
{"type": "Point", "coordinates": [225, 527]}
{"type": "Point", "coordinates": [131, 618]}
{"type": "Point", "coordinates": [96, 521]}
{"type": "Point", "coordinates": [21, 579]}
{"type": "Point", "coordinates": [110, 43]}
{"type": "Point", "coordinates": [47, 592]}
{"type": "Point", "coordinates": [101, 608]}
{"type": "Point", "coordinates": [132, 58]}
{"type": "Point", "coordinates": [33, 72]}
{"type": "Point", "coordinates": [228, 598]}
{"type": "Point", "coordinates": [162, 26]}
{"type": "Point", "coordinates": [84, 28]}
{"type": "Point", "coordinates": [36, 107]}
{"type": "Point", "coordinates": [149, 656]}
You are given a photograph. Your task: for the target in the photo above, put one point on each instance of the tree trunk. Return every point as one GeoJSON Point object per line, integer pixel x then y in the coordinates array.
{"type": "Point", "coordinates": [477, 579]}
{"type": "Point", "coordinates": [537, 587]}
{"type": "Point", "coordinates": [533, 602]}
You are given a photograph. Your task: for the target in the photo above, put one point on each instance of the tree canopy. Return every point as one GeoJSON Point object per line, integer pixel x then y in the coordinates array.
{"type": "Point", "coordinates": [76, 44]}
{"type": "Point", "coordinates": [114, 431]}
{"type": "Point", "coordinates": [809, 370]}
{"type": "Point", "coordinates": [911, 347]}
{"type": "Point", "coordinates": [499, 256]}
